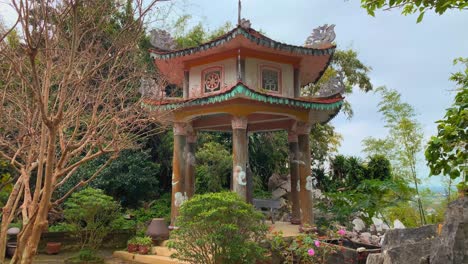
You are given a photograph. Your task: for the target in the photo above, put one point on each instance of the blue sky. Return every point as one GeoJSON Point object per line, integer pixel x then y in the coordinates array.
{"type": "Point", "coordinates": [415, 59]}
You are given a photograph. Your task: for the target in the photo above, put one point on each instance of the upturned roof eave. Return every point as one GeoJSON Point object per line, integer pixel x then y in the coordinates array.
{"type": "Point", "coordinates": [242, 91]}
{"type": "Point", "coordinates": [249, 34]}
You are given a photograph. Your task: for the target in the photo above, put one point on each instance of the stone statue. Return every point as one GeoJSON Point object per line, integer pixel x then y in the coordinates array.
{"type": "Point", "coordinates": [334, 86]}
{"type": "Point", "coordinates": [320, 36]}
{"type": "Point", "coordinates": [161, 39]}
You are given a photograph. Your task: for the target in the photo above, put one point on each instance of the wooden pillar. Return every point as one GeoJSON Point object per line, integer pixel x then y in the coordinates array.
{"type": "Point", "coordinates": [297, 83]}
{"type": "Point", "coordinates": [190, 162]}
{"type": "Point", "coordinates": [305, 175]}
{"type": "Point", "coordinates": [294, 172]}
{"type": "Point", "coordinates": [239, 156]}
{"type": "Point", "coordinates": [186, 84]}
{"type": "Point", "coordinates": [178, 172]}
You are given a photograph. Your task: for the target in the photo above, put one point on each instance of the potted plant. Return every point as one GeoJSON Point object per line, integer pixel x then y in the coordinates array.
{"type": "Point", "coordinates": [144, 245]}
{"type": "Point", "coordinates": [132, 245]}
{"type": "Point", "coordinates": [53, 248]}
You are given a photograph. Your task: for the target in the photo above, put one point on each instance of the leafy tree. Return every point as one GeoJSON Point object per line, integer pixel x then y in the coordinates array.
{"type": "Point", "coordinates": [415, 6]}
{"type": "Point", "coordinates": [132, 178]}
{"type": "Point", "coordinates": [404, 140]}
{"type": "Point", "coordinates": [355, 75]}
{"type": "Point", "coordinates": [268, 154]}
{"type": "Point", "coordinates": [447, 153]}
{"type": "Point", "coordinates": [214, 166]}
{"type": "Point", "coordinates": [218, 228]}
{"type": "Point", "coordinates": [379, 168]}
{"type": "Point", "coordinates": [69, 95]}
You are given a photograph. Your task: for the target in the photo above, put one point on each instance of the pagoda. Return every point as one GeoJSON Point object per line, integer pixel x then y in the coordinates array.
{"type": "Point", "coordinates": [244, 82]}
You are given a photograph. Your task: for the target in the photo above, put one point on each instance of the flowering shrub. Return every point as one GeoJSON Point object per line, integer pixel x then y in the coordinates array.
{"type": "Point", "coordinates": [305, 248]}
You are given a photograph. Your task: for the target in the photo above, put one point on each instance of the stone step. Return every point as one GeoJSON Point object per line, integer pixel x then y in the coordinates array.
{"type": "Point", "coordinates": [144, 259]}
{"type": "Point", "coordinates": [162, 251]}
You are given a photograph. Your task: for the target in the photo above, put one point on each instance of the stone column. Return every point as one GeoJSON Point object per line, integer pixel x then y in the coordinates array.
{"type": "Point", "coordinates": [190, 162]}
{"type": "Point", "coordinates": [239, 156]}
{"type": "Point", "coordinates": [178, 172]}
{"type": "Point", "coordinates": [294, 172]}
{"type": "Point", "coordinates": [305, 175]}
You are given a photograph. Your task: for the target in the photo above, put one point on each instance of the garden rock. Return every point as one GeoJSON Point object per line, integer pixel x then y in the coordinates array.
{"type": "Point", "coordinates": [406, 246]}
{"type": "Point", "coordinates": [375, 258]}
{"type": "Point", "coordinates": [452, 244]}
{"type": "Point", "coordinates": [379, 224]}
{"type": "Point", "coordinates": [397, 224]}
{"type": "Point", "coordinates": [359, 225]}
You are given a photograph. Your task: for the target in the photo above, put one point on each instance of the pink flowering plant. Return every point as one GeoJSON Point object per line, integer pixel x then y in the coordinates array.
{"type": "Point", "coordinates": [305, 248]}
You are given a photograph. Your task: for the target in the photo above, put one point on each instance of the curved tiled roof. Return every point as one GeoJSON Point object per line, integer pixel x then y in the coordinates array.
{"type": "Point", "coordinates": [252, 35]}
{"type": "Point", "coordinates": [241, 90]}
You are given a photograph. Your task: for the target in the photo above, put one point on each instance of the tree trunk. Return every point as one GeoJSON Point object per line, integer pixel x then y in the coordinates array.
{"type": "Point", "coordinates": [7, 217]}
{"type": "Point", "coordinates": [29, 241]}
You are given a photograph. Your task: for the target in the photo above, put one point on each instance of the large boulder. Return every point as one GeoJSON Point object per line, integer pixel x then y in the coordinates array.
{"type": "Point", "coordinates": [406, 246]}
{"type": "Point", "coordinates": [452, 244]}
{"type": "Point", "coordinates": [400, 237]}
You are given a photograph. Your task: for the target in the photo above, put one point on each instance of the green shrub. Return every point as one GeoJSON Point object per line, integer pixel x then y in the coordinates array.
{"type": "Point", "coordinates": [91, 214]}
{"type": "Point", "coordinates": [62, 227]}
{"type": "Point", "coordinates": [218, 228]}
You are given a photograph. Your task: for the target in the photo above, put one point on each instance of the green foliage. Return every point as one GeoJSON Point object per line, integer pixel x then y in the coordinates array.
{"type": "Point", "coordinates": [404, 140]}
{"type": "Point", "coordinates": [324, 141]}
{"type": "Point", "coordinates": [414, 6]}
{"type": "Point", "coordinates": [354, 186]}
{"type": "Point", "coordinates": [379, 168]}
{"type": "Point", "coordinates": [218, 228]}
{"type": "Point", "coordinates": [91, 214]}
{"type": "Point", "coordinates": [6, 177]}
{"type": "Point", "coordinates": [196, 35]}
{"type": "Point", "coordinates": [159, 208]}
{"type": "Point", "coordinates": [447, 153]}
{"type": "Point", "coordinates": [214, 166]}
{"type": "Point", "coordinates": [62, 227]}
{"type": "Point", "coordinates": [268, 154]}
{"type": "Point", "coordinates": [132, 178]}
{"type": "Point", "coordinates": [144, 241]}
{"type": "Point", "coordinates": [405, 212]}
{"type": "Point", "coordinates": [304, 248]}
{"type": "Point", "coordinates": [355, 72]}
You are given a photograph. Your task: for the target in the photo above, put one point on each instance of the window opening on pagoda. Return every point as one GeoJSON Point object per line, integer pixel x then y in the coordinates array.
{"type": "Point", "coordinates": [212, 79]}
{"type": "Point", "coordinates": [173, 90]}
{"type": "Point", "coordinates": [270, 78]}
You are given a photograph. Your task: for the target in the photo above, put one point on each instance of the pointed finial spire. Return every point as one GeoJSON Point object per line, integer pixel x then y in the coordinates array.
{"type": "Point", "coordinates": [239, 10]}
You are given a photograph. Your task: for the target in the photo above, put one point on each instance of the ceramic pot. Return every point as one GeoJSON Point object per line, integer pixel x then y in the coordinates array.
{"type": "Point", "coordinates": [132, 248]}
{"type": "Point", "coordinates": [143, 250]}
{"type": "Point", "coordinates": [158, 230]}
{"type": "Point", "coordinates": [11, 248]}
{"type": "Point", "coordinates": [53, 248]}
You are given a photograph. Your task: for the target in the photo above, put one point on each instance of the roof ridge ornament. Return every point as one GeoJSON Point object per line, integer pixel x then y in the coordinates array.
{"type": "Point", "coordinates": [323, 35]}
{"type": "Point", "coordinates": [334, 86]}
{"type": "Point", "coordinates": [245, 23]}
{"type": "Point", "coordinates": [161, 39]}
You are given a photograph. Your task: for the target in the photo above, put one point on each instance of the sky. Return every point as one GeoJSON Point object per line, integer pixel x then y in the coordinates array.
{"type": "Point", "coordinates": [415, 59]}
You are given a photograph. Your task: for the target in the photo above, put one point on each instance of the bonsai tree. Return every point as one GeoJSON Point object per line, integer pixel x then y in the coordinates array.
{"type": "Point", "coordinates": [217, 228]}
{"type": "Point", "coordinates": [91, 213]}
